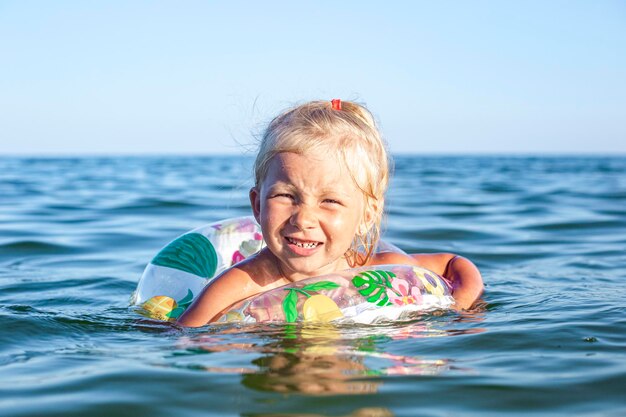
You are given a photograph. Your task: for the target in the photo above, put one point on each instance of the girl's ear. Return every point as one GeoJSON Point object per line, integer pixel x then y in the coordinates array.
{"type": "Point", "coordinates": [255, 202]}
{"type": "Point", "coordinates": [369, 214]}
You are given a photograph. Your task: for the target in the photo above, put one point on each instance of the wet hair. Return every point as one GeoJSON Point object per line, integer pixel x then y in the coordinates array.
{"type": "Point", "coordinates": [350, 134]}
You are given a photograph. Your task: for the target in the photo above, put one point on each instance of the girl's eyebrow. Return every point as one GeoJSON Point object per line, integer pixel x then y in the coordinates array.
{"type": "Point", "coordinates": [325, 192]}
{"type": "Point", "coordinates": [334, 192]}
{"type": "Point", "coordinates": [281, 185]}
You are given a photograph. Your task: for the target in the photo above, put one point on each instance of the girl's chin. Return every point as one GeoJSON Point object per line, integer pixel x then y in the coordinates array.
{"type": "Point", "coordinates": [303, 270]}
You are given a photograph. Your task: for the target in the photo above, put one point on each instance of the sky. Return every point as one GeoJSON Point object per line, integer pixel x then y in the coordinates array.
{"type": "Point", "coordinates": [205, 77]}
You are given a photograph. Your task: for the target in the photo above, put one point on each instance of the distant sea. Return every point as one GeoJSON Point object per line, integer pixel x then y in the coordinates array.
{"type": "Point", "coordinates": [548, 339]}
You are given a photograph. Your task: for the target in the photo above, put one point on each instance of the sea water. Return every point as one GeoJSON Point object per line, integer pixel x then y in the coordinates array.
{"type": "Point", "coordinates": [548, 337]}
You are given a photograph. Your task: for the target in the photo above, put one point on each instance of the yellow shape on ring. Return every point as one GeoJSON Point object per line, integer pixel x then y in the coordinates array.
{"type": "Point", "coordinates": [159, 306]}
{"type": "Point", "coordinates": [319, 307]}
{"type": "Point", "coordinates": [436, 289]}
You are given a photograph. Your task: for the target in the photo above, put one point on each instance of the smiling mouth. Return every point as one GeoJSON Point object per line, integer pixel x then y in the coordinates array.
{"type": "Point", "coordinates": [303, 243]}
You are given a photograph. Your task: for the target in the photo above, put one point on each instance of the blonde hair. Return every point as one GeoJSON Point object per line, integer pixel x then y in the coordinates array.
{"type": "Point", "coordinates": [351, 133]}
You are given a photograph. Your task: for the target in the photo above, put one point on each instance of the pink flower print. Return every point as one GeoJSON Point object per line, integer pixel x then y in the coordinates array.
{"type": "Point", "coordinates": [402, 370]}
{"type": "Point", "coordinates": [237, 257]}
{"type": "Point", "coordinates": [400, 295]}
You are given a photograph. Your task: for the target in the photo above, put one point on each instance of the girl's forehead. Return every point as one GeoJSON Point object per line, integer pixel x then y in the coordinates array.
{"type": "Point", "coordinates": [311, 169]}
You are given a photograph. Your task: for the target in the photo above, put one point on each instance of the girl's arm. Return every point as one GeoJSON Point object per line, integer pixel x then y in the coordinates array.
{"type": "Point", "coordinates": [223, 292]}
{"type": "Point", "coordinates": [467, 283]}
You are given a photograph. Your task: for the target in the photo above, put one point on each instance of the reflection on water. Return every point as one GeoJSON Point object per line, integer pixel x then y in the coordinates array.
{"type": "Point", "coordinates": [309, 374]}
{"type": "Point", "coordinates": [324, 359]}
{"type": "Point", "coordinates": [361, 412]}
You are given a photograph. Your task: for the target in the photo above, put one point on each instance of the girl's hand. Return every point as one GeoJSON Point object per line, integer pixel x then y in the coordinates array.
{"type": "Point", "coordinates": [467, 283]}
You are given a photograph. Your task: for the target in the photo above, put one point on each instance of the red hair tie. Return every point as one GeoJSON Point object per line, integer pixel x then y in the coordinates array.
{"type": "Point", "coordinates": [336, 104]}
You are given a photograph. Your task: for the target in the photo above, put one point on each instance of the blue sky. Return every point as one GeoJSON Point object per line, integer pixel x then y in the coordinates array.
{"type": "Point", "coordinates": [201, 77]}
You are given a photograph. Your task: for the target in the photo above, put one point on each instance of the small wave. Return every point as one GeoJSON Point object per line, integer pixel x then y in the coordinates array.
{"type": "Point", "coordinates": [577, 225]}
{"type": "Point", "coordinates": [446, 234]}
{"type": "Point", "coordinates": [143, 204]}
{"type": "Point", "coordinates": [35, 247]}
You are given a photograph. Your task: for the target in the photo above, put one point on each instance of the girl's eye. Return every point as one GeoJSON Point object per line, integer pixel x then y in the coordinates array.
{"type": "Point", "coordinates": [283, 195]}
{"type": "Point", "coordinates": [331, 201]}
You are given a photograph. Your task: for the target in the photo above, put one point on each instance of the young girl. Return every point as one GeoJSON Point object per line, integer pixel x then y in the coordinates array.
{"type": "Point", "coordinates": [320, 178]}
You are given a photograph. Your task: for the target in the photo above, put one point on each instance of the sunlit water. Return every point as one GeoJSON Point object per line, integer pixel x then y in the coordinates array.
{"type": "Point", "coordinates": [549, 235]}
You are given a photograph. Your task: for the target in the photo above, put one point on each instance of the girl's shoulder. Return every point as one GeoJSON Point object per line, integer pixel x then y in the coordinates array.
{"type": "Point", "coordinates": [387, 258]}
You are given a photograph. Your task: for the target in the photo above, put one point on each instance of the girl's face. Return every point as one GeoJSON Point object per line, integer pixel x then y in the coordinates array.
{"type": "Point", "coordinates": [309, 210]}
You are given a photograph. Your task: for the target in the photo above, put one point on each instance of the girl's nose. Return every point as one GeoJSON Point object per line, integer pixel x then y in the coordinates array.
{"type": "Point", "coordinates": [303, 218]}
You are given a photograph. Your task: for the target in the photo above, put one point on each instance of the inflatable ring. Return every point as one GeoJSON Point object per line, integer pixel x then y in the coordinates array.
{"type": "Point", "coordinates": [178, 273]}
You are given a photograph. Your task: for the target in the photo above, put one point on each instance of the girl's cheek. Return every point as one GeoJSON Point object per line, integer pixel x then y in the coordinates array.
{"type": "Point", "coordinates": [274, 218]}
{"type": "Point", "coordinates": [344, 223]}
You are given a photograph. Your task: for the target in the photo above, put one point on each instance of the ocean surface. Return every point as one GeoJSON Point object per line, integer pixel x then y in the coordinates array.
{"type": "Point", "coordinates": [548, 338]}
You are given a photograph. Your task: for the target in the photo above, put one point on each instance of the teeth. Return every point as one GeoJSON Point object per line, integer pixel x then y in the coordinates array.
{"type": "Point", "coordinates": [308, 245]}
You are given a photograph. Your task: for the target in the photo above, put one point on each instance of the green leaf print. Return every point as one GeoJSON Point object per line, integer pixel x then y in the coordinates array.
{"type": "Point", "coordinates": [186, 301]}
{"type": "Point", "coordinates": [174, 314]}
{"type": "Point", "coordinates": [289, 306]}
{"type": "Point", "coordinates": [181, 306]}
{"type": "Point", "coordinates": [192, 253]}
{"type": "Point", "coordinates": [322, 285]}
{"type": "Point", "coordinates": [373, 286]}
